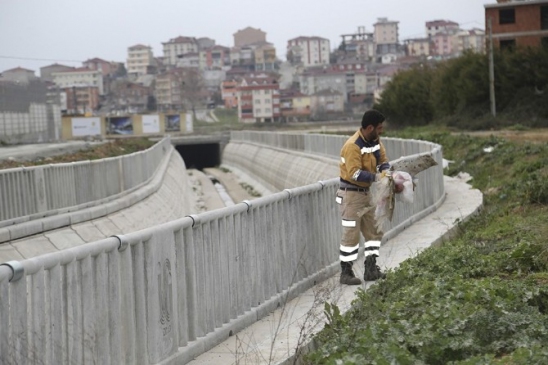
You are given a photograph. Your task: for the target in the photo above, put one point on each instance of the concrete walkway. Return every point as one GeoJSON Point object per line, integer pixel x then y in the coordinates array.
{"type": "Point", "coordinates": [275, 338]}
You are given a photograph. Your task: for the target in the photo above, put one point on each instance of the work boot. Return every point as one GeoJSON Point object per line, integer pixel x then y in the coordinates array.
{"type": "Point", "coordinates": [347, 275]}
{"type": "Point", "coordinates": [371, 271]}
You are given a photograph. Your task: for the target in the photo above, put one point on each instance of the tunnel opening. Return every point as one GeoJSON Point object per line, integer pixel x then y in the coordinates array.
{"type": "Point", "coordinates": [200, 156]}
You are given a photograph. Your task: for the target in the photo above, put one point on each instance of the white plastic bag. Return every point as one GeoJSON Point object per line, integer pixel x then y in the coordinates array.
{"type": "Point", "coordinates": [403, 179]}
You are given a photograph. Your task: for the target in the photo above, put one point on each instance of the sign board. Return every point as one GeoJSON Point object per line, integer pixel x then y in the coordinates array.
{"type": "Point", "coordinates": [119, 125]}
{"type": "Point", "coordinates": [189, 124]}
{"type": "Point", "coordinates": [151, 124]}
{"type": "Point", "coordinates": [82, 127]}
{"type": "Point", "coordinates": [173, 123]}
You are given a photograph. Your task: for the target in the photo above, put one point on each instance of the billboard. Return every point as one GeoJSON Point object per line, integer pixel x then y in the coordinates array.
{"type": "Point", "coordinates": [151, 124]}
{"type": "Point", "coordinates": [189, 124]}
{"type": "Point", "coordinates": [173, 123]}
{"type": "Point", "coordinates": [119, 125]}
{"type": "Point", "coordinates": [82, 127]}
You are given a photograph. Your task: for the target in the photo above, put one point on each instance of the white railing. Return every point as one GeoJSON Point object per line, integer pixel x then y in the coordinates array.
{"type": "Point", "coordinates": [170, 291]}
{"type": "Point", "coordinates": [166, 294]}
{"type": "Point", "coordinates": [282, 160]}
{"type": "Point", "coordinates": [28, 193]}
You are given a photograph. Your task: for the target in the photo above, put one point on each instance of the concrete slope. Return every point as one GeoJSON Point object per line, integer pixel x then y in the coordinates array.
{"type": "Point", "coordinates": [175, 199]}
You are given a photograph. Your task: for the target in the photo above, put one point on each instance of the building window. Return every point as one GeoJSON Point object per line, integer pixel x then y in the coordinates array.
{"type": "Point", "coordinates": [507, 16]}
{"type": "Point", "coordinates": [544, 17]}
{"type": "Point", "coordinates": [544, 42]}
{"type": "Point", "coordinates": [507, 44]}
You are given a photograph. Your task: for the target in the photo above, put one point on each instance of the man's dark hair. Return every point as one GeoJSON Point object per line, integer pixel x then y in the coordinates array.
{"type": "Point", "coordinates": [372, 117]}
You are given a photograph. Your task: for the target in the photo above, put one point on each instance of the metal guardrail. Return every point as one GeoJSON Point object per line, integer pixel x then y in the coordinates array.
{"type": "Point", "coordinates": [28, 193]}
{"type": "Point", "coordinates": [139, 298]}
{"type": "Point", "coordinates": [168, 293]}
{"type": "Point", "coordinates": [317, 158]}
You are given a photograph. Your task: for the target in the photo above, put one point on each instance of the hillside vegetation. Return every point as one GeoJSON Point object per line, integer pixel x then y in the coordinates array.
{"type": "Point", "coordinates": [456, 91]}
{"type": "Point", "coordinates": [481, 298]}
{"type": "Point", "coordinates": [113, 148]}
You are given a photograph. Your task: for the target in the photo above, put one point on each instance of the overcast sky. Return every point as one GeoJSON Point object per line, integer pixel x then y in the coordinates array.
{"type": "Point", "coordinates": [37, 33]}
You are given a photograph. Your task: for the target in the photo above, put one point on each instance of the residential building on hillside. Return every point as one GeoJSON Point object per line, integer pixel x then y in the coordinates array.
{"type": "Point", "coordinates": [191, 59]}
{"type": "Point", "coordinates": [346, 78]}
{"type": "Point", "coordinates": [359, 46]}
{"type": "Point", "coordinates": [82, 76]}
{"type": "Point", "coordinates": [129, 97]}
{"type": "Point", "coordinates": [205, 42]}
{"type": "Point", "coordinates": [81, 99]}
{"type": "Point", "coordinates": [313, 80]}
{"type": "Point", "coordinates": [386, 36]}
{"type": "Point", "coordinates": [168, 90]}
{"type": "Point", "coordinates": [176, 47]}
{"type": "Point", "coordinates": [248, 36]}
{"type": "Point", "coordinates": [243, 57]}
{"type": "Point", "coordinates": [434, 27]}
{"type": "Point", "coordinates": [264, 56]}
{"type": "Point", "coordinates": [444, 44]}
{"type": "Point", "coordinates": [46, 71]}
{"type": "Point", "coordinates": [106, 67]}
{"type": "Point", "coordinates": [259, 56]}
{"type": "Point", "coordinates": [518, 23]}
{"type": "Point", "coordinates": [308, 51]}
{"type": "Point", "coordinates": [418, 46]}
{"type": "Point", "coordinates": [18, 75]}
{"type": "Point", "coordinates": [139, 60]}
{"type": "Point", "coordinates": [258, 100]}
{"type": "Point", "coordinates": [472, 40]}
{"type": "Point", "coordinates": [294, 106]}
{"type": "Point", "coordinates": [229, 93]}
{"type": "Point", "coordinates": [325, 102]}
{"type": "Point", "coordinates": [215, 57]}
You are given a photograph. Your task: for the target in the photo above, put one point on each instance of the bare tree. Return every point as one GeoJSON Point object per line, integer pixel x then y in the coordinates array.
{"type": "Point", "coordinates": [193, 91]}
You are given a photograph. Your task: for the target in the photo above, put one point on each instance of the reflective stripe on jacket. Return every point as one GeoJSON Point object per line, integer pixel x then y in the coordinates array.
{"type": "Point", "coordinates": [361, 159]}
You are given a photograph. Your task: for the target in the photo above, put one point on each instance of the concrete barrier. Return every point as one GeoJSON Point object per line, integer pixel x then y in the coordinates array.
{"type": "Point", "coordinates": [166, 294]}
{"type": "Point", "coordinates": [31, 194]}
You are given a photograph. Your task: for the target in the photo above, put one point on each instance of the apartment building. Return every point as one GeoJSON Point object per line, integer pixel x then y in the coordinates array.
{"type": "Point", "coordinates": [308, 51]}
{"type": "Point", "coordinates": [168, 90]}
{"type": "Point", "coordinates": [248, 36]}
{"type": "Point", "coordinates": [47, 71]}
{"type": "Point", "coordinates": [82, 76]}
{"type": "Point", "coordinates": [518, 23]}
{"type": "Point", "coordinates": [258, 100]}
{"type": "Point", "coordinates": [81, 99]}
{"type": "Point", "coordinates": [294, 106]}
{"type": "Point", "coordinates": [264, 56]}
{"type": "Point", "coordinates": [105, 67]}
{"type": "Point", "coordinates": [139, 60]}
{"type": "Point", "coordinates": [386, 36]}
{"type": "Point", "coordinates": [229, 93]}
{"type": "Point", "coordinates": [444, 44]}
{"type": "Point", "coordinates": [129, 96]}
{"type": "Point", "coordinates": [471, 40]}
{"type": "Point", "coordinates": [18, 74]}
{"type": "Point", "coordinates": [327, 101]}
{"type": "Point", "coordinates": [316, 79]}
{"type": "Point", "coordinates": [215, 57]}
{"type": "Point", "coordinates": [418, 47]}
{"type": "Point", "coordinates": [434, 27]}
{"type": "Point", "coordinates": [176, 47]}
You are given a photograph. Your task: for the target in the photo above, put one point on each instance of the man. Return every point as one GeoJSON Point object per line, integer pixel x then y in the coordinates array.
{"type": "Point", "coordinates": [363, 161]}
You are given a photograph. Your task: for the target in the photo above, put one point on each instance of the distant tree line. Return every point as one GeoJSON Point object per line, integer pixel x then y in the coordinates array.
{"type": "Point", "coordinates": [456, 91]}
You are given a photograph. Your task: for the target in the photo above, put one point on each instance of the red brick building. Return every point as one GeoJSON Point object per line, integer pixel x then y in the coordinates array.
{"type": "Point", "coordinates": [518, 23]}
